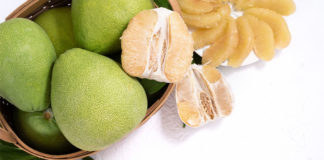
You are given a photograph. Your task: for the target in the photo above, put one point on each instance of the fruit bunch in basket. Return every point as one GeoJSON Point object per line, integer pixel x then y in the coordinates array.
{"type": "Point", "coordinates": [82, 77]}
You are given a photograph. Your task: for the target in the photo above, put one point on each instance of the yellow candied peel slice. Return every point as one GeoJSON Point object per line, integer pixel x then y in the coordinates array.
{"type": "Point", "coordinates": [263, 38]}
{"type": "Point", "coordinates": [207, 20]}
{"type": "Point", "coordinates": [202, 96]}
{"type": "Point", "coordinates": [276, 22]}
{"type": "Point", "coordinates": [245, 44]}
{"type": "Point", "coordinates": [222, 49]}
{"type": "Point", "coordinates": [203, 37]}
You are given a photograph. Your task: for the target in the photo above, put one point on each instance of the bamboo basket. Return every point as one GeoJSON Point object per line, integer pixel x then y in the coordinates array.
{"type": "Point", "coordinates": [31, 9]}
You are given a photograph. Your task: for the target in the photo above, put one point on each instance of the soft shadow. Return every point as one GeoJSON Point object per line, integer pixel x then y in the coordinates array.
{"type": "Point", "coordinates": [172, 125]}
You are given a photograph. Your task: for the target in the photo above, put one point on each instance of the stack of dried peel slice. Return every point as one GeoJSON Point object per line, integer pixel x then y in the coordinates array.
{"type": "Point", "coordinates": [157, 45]}
{"type": "Point", "coordinates": [261, 28]}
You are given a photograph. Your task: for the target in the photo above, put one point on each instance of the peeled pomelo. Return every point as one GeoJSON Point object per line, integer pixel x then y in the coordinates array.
{"type": "Point", "coordinates": [157, 45]}
{"type": "Point", "coordinates": [95, 103]}
{"type": "Point", "coordinates": [99, 24]}
{"type": "Point", "coordinates": [202, 96]}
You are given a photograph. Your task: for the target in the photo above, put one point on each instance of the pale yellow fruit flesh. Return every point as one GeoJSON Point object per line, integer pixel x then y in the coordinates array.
{"type": "Point", "coordinates": [180, 51]}
{"type": "Point", "coordinates": [196, 6]}
{"type": "Point", "coordinates": [218, 52]}
{"type": "Point", "coordinates": [245, 44]}
{"type": "Point", "coordinates": [283, 7]}
{"type": "Point", "coordinates": [263, 38]}
{"type": "Point", "coordinates": [189, 114]}
{"type": "Point", "coordinates": [207, 20]}
{"type": "Point", "coordinates": [203, 37]}
{"type": "Point", "coordinates": [202, 96]}
{"type": "Point", "coordinates": [276, 22]}
{"type": "Point", "coordinates": [135, 51]}
{"type": "Point", "coordinates": [211, 73]}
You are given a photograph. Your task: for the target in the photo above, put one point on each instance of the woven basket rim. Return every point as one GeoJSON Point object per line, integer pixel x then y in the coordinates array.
{"type": "Point", "coordinates": [24, 11]}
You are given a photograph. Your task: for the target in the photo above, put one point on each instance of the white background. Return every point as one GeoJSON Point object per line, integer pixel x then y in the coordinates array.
{"type": "Point", "coordinates": [279, 106]}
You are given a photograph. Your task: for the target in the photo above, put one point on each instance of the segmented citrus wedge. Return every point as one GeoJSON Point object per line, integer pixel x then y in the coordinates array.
{"type": "Point", "coordinates": [203, 37]}
{"type": "Point", "coordinates": [197, 6]}
{"type": "Point", "coordinates": [263, 38]}
{"type": "Point", "coordinates": [222, 49]}
{"type": "Point", "coordinates": [202, 96]}
{"type": "Point", "coordinates": [283, 7]}
{"type": "Point", "coordinates": [245, 44]}
{"type": "Point", "coordinates": [276, 22]}
{"type": "Point", "coordinates": [207, 20]}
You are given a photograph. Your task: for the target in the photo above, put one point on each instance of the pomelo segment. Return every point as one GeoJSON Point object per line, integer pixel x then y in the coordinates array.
{"type": "Point", "coordinates": [203, 37]}
{"type": "Point", "coordinates": [245, 44]}
{"type": "Point", "coordinates": [180, 51]}
{"type": "Point", "coordinates": [283, 7]}
{"type": "Point", "coordinates": [207, 20]}
{"type": "Point", "coordinates": [134, 47]}
{"type": "Point", "coordinates": [263, 38]}
{"type": "Point", "coordinates": [222, 49]}
{"type": "Point", "coordinates": [276, 22]}
{"type": "Point", "coordinates": [197, 96]}
{"type": "Point", "coordinates": [196, 6]}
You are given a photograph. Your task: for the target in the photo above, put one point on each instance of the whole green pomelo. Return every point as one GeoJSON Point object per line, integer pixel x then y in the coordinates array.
{"type": "Point", "coordinates": [57, 23]}
{"type": "Point", "coordinates": [39, 131]}
{"type": "Point", "coordinates": [94, 101]}
{"type": "Point", "coordinates": [26, 59]}
{"type": "Point", "coordinates": [99, 24]}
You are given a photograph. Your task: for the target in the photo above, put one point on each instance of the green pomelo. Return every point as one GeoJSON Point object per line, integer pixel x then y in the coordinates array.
{"type": "Point", "coordinates": [94, 101]}
{"type": "Point", "coordinates": [26, 59]}
{"type": "Point", "coordinates": [39, 131]}
{"type": "Point", "coordinates": [57, 23]}
{"type": "Point", "coordinates": [99, 24]}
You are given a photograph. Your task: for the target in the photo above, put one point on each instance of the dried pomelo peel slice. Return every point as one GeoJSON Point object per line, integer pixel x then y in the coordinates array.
{"type": "Point", "coordinates": [202, 96]}
{"type": "Point", "coordinates": [157, 45]}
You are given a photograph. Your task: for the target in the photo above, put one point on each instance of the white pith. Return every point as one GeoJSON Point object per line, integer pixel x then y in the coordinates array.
{"type": "Point", "coordinates": [161, 26]}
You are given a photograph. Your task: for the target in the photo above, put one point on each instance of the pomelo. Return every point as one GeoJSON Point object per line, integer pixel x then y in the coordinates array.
{"type": "Point", "coordinates": [26, 59]}
{"type": "Point", "coordinates": [57, 23]}
{"type": "Point", "coordinates": [94, 101]}
{"type": "Point", "coordinates": [39, 131]}
{"type": "Point", "coordinates": [98, 24]}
